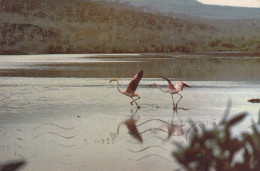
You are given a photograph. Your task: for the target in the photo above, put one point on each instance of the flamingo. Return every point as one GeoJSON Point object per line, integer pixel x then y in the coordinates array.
{"type": "Point", "coordinates": [130, 91]}
{"type": "Point", "coordinates": [173, 89]}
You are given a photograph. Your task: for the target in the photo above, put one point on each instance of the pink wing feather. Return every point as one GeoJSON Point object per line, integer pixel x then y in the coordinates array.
{"type": "Point", "coordinates": [134, 82]}
{"type": "Point", "coordinates": [170, 85]}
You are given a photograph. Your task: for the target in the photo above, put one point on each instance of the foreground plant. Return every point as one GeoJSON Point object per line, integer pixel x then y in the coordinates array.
{"type": "Point", "coordinates": [217, 149]}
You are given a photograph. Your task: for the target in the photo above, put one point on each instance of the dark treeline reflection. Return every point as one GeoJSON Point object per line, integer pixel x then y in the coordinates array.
{"type": "Point", "coordinates": [189, 67]}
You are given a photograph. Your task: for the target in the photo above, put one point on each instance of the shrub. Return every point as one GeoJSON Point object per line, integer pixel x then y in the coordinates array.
{"type": "Point", "coordinates": [215, 42]}
{"type": "Point", "coordinates": [182, 48]}
{"type": "Point", "coordinates": [228, 45]}
{"type": "Point", "coordinates": [216, 149]}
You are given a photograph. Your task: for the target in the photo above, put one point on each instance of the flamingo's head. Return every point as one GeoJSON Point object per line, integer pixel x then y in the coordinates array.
{"type": "Point", "coordinates": [154, 84]}
{"type": "Point", "coordinates": [112, 80]}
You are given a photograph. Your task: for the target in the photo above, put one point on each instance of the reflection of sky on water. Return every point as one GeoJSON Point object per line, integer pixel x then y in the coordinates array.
{"type": "Point", "coordinates": [47, 61]}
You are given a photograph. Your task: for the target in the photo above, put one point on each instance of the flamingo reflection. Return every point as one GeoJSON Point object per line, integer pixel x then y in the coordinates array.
{"type": "Point", "coordinates": [132, 128]}
{"type": "Point", "coordinates": [172, 128]}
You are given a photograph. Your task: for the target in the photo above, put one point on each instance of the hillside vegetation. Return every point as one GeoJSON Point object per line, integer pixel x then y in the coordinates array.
{"type": "Point", "coordinates": [78, 26]}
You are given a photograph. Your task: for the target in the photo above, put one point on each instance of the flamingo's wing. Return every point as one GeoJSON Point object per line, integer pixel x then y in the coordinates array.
{"type": "Point", "coordinates": [186, 85]}
{"type": "Point", "coordinates": [179, 85]}
{"type": "Point", "coordinates": [170, 85]}
{"type": "Point", "coordinates": [134, 82]}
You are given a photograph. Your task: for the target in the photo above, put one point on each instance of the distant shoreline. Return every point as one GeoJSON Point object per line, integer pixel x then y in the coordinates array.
{"type": "Point", "coordinates": [219, 67]}
{"type": "Point", "coordinates": [150, 55]}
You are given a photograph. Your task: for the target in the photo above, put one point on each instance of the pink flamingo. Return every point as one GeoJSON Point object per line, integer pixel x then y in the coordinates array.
{"type": "Point", "coordinates": [130, 91]}
{"type": "Point", "coordinates": [173, 89]}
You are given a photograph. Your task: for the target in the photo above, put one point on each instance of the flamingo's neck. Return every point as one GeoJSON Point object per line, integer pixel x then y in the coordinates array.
{"type": "Point", "coordinates": [165, 91]}
{"type": "Point", "coordinates": [120, 91]}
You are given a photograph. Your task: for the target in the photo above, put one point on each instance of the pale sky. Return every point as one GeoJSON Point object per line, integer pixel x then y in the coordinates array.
{"type": "Point", "coordinates": [241, 3]}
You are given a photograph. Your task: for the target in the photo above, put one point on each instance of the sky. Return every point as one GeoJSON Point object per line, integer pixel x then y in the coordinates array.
{"type": "Point", "coordinates": [241, 3]}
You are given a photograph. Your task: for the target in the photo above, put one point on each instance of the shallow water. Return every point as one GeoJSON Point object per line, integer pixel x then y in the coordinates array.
{"type": "Point", "coordinates": [71, 123]}
{"type": "Point", "coordinates": [54, 115]}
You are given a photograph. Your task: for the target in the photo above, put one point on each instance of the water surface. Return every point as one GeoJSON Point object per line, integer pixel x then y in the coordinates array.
{"type": "Point", "coordinates": [69, 123]}
{"type": "Point", "coordinates": [54, 115]}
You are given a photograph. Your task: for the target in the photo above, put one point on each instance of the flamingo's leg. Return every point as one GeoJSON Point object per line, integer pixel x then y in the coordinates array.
{"type": "Point", "coordinates": [134, 100]}
{"type": "Point", "coordinates": [179, 99]}
{"type": "Point", "coordinates": [173, 100]}
{"type": "Point", "coordinates": [138, 97]}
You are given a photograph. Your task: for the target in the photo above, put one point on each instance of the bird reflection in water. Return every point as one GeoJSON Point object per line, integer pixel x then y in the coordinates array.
{"type": "Point", "coordinates": [173, 128]}
{"type": "Point", "coordinates": [131, 126]}
{"type": "Point", "coordinates": [151, 148]}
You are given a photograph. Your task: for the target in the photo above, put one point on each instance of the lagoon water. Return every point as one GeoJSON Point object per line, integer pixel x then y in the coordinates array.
{"type": "Point", "coordinates": [59, 112]}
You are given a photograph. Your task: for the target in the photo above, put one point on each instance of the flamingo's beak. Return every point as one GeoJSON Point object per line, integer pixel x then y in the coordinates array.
{"type": "Point", "coordinates": [152, 85]}
{"type": "Point", "coordinates": [186, 85]}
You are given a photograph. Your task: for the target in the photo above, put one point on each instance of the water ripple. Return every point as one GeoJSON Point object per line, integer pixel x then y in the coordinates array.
{"type": "Point", "coordinates": [53, 133]}
{"type": "Point", "coordinates": [53, 125]}
{"type": "Point", "coordinates": [152, 146]}
{"type": "Point", "coordinates": [151, 155]}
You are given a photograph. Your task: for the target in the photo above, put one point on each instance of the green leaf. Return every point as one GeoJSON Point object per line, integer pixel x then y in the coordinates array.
{"type": "Point", "coordinates": [198, 155]}
{"type": "Point", "coordinates": [235, 120]}
{"type": "Point", "coordinates": [259, 117]}
{"type": "Point", "coordinates": [226, 113]}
